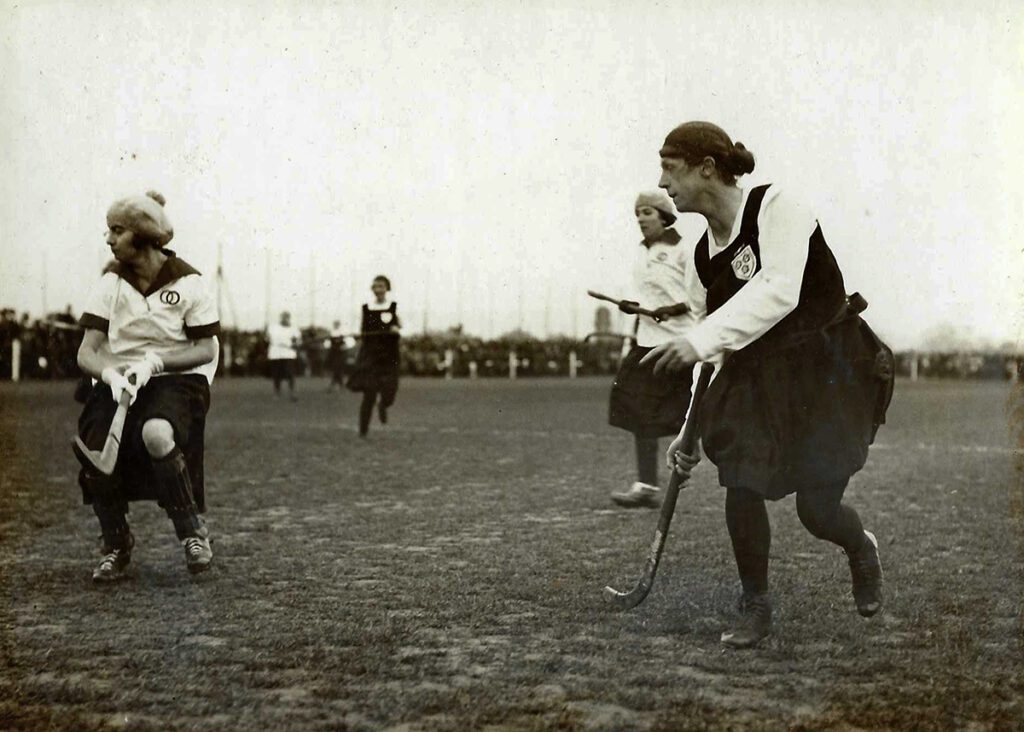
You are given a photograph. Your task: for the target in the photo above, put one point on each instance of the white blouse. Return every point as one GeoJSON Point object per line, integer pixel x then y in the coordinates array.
{"type": "Point", "coordinates": [659, 279]}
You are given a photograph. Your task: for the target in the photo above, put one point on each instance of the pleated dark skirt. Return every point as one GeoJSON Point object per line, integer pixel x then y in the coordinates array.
{"type": "Point", "coordinates": [181, 399]}
{"type": "Point", "coordinates": [645, 404]}
{"type": "Point", "coordinates": [801, 416]}
{"type": "Point", "coordinates": [376, 369]}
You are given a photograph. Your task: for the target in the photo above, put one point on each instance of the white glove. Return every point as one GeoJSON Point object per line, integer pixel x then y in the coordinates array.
{"type": "Point", "coordinates": [150, 365]}
{"type": "Point", "coordinates": [118, 383]}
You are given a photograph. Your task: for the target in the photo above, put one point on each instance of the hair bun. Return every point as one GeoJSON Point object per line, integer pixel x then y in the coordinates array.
{"type": "Point", "coordinates": [157, 197]}
{"type": "Point", "coordinates": [741, 160]}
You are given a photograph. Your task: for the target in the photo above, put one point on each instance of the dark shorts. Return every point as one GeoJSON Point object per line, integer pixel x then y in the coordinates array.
{"type": "Point", "coordinates": [282, 368]}
{"type": "Point", "coordinates": [645, 404]}
{"type": "Point", "coordinates": [180, 399]}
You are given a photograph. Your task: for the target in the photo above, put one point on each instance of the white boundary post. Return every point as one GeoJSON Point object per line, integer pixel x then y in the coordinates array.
{"type": "Point", "coordinates": [16, 360]}
{"type": "Point", "coordinates": [449, 359]}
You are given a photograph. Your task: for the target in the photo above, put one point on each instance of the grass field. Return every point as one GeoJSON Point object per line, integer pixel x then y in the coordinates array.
{"type": "Point", "coordinates": [446, 574]}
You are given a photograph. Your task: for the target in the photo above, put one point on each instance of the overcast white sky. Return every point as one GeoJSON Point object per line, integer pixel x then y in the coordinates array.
{"type": "Point", "coordinates": [486, 155]}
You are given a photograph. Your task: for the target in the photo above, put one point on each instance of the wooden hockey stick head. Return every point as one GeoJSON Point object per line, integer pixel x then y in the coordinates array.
{"type": "Point", "coordinates": [105, 460]}
{"type": "Point", "coordinates": [632, 598]}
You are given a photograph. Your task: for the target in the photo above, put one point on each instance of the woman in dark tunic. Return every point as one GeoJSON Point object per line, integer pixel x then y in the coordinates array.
{"type": "Point", "coordinates": [376, 368]}
{"type": "Point", "coordinates": [804, 384]}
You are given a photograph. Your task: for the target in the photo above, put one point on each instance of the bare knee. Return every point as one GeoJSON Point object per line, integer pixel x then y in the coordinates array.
{"type": "Point", "coordinates": [158, 437]}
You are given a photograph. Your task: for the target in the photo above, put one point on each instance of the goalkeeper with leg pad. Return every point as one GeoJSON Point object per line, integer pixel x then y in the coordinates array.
{"type": "Point", "coordinates": [151, 329]}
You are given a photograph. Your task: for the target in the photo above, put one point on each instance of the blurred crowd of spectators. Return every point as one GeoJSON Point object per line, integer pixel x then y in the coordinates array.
{"type": "Point", "coordinates": [48, 349]}
{"type": "Point", "coordinates": [435, 354]}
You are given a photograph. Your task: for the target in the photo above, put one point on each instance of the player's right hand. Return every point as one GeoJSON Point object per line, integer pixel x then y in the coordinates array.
{"type": "Point", "coordinates": [671, 356]}
{"type": "Point", "coordinates": [144, 370]}
{"type": "Point", "coordinates": [118, 384]}
{"type": "Point", "coordinates": [629, 307]}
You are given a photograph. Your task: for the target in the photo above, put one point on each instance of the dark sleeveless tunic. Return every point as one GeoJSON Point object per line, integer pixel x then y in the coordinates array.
{"type": "Point", "coordinates": [376, 366]}
{"type": "Point", "coordinates": [798, 407]}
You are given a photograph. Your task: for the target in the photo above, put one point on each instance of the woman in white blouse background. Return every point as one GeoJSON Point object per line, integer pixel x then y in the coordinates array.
{"type": "Point", "coordinates": [642, 403]}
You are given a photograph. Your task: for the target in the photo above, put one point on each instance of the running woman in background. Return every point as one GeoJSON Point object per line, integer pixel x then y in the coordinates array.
{"type": "Point", "coordinates": [648, 405]}
{"type": "Point", "coordinates": [805, 383]}
{"type": "Point", "coordinates": [151, 329]}
{"type": "Point", "coordinates": [375, 373]}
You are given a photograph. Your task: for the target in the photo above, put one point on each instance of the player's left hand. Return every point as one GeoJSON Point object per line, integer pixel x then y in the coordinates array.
{"type": "Point", "coordinates": [668, 311]}
{"type": "Point", "coordinates": [145, 369]}
{"type": "Point", "coordinates": [672, 356]}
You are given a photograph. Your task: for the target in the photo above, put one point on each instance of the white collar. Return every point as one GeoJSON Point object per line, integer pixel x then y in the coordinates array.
{"type": "Point", "coordinates": [374, 305]}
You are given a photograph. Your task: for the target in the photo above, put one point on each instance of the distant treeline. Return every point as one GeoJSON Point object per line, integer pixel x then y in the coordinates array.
{"type": "Point", "coordinates": [48, 350]}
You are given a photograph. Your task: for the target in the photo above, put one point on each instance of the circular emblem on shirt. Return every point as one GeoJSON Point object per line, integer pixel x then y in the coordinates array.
{"type": "Point", "coordinates": [170, 297]}
{"type": "Point", "coordinates": [744, 264]}
{"type": "Point", "coordinates": [385, 317]}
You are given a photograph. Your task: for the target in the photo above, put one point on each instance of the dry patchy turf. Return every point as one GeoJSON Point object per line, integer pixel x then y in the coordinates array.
{"type": "Point", "coordinates": [446, 574]}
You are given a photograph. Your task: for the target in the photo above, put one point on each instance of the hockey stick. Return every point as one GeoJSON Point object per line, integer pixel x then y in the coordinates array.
{"type": "Point", "coordinates": [106, 460]}
{"type": "Point", "coordinates": [638, 310]}
{"type": "Point", "coordinates": [629, 600]}
{"type": "Point", "coordinates": [598, 335]}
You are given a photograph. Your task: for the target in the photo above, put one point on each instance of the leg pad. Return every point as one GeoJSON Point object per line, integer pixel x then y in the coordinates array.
{"type": "Point", "coordinates": [114, 526]}
{"type": "Point", "coordinates": [175, 491]}
{"type": "Point", "coordinates": [174, 487]}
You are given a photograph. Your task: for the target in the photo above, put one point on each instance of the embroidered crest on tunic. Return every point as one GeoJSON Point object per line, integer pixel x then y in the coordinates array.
{"type": "Point", "coordinates": [744, 264]}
